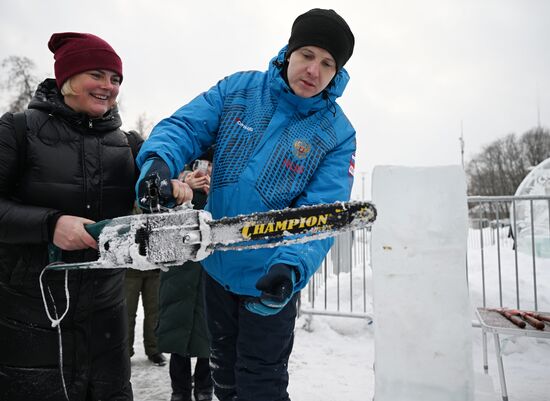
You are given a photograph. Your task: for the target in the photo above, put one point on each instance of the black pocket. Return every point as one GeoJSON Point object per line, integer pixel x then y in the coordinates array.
{"type": "Point", "coordinates": [31, 384]}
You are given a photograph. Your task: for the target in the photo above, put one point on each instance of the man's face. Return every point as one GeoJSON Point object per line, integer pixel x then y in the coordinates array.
{"type": "Point", "coordinates": [310, 70]}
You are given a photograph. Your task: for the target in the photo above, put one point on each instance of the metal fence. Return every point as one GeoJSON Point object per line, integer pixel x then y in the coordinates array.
{"type": "Point", "coordinates": [508, 251]}
{"type": "Point", "coordinates": [339, 287]}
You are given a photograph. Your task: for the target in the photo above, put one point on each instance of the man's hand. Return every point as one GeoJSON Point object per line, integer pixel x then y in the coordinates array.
{"type": "Point", "coordinates": [70, 235]}
{"type": "Point", "coordinates": [277, 287]}
{"type": "Point", "coordinates": [155, 186]}
{"type": "Point", "coordinates": [181, 192]}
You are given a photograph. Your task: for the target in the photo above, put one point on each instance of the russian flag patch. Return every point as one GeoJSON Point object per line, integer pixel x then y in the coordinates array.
{"type": "Point", "coordinates": [351, 170]}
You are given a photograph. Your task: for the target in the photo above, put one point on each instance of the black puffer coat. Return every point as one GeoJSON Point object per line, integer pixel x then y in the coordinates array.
{"type": "Point", "coordinates": [76, 166]}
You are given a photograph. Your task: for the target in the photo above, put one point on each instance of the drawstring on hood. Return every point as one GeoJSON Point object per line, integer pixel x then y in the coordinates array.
{"type": "Point", "coordinates": [331, 106]}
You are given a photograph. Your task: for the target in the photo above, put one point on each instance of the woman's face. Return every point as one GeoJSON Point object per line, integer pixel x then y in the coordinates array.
{"type": "Point", "coordinates": [95, 92]}
{"type": "Point", "coordinates": [310, 70]}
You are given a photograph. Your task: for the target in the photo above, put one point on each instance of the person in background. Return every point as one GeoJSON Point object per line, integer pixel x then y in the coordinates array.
{"type": "Point", "coordinates": [182, 327]}
{"type": "Point", "coordinates": [281, 140]}
{"type": "Point", "coordinates": [146, 284]}
{"type": "Point", "coordinates": [70, 165]}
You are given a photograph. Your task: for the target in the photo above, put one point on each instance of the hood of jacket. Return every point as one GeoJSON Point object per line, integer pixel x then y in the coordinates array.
{"type": "Point", "coordinates": [48, 99]}
{"type": "Point", "coordinates": [327, 97]}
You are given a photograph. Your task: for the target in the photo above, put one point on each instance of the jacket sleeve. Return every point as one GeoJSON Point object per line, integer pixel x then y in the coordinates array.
{"type": "Point", "coordinates": [186, 134]}
{"type": "Point", "coordinates": [331, 182]}
{"type": "Point", "coordinates": [19, 223]}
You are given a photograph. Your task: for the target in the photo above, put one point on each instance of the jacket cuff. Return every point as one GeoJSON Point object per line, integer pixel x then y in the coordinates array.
{"type": "Point", "coordinates": [52, 221]}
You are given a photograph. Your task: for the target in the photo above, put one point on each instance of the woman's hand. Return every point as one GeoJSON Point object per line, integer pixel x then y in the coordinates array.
{"type": "Point", "coordinates": [70, 235]}
{"type": "Point", "coordinates": [198, 180]}
{"type": "Point", "coordinates": [181, 192]}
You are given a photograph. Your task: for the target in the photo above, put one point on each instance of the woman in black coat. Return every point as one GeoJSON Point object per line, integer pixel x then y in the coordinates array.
{"type": "Point", "coordinates": [72, 166]}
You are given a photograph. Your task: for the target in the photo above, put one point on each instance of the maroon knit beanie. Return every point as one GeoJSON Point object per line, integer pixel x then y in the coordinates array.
{"type": "Point", "coordinates": [78, 52]}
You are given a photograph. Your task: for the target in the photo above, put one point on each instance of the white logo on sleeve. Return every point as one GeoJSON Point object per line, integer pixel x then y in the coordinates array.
{"type": "Point", "coordinates": [243, 125]}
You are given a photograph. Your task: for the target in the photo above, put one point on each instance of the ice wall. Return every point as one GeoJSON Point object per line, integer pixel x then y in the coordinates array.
{"type": "Point", "coordinates": [421, 304]}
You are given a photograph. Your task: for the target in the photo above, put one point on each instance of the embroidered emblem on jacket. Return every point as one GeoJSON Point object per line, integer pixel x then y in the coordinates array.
{"type": "Point", "coordinates": [301, 149]}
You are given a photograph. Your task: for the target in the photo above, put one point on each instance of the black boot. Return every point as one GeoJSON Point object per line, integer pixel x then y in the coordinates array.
{"type": "Point", "coordinates": [180, 397]}
{"type": "Point", "coordinates": [203, 380]}
{"type": "Point", "coordinates": [157, 359]}
{"type": "Point", "coordinates": [203, 395]}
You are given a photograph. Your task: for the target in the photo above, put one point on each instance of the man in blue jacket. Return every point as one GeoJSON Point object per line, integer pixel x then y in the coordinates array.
{"type": "Point", "coordinates": [280, 141]}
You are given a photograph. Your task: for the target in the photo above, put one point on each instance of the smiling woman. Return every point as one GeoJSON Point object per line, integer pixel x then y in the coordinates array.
{"type": "Point", "coordinates": [88, 71]}
{"type": "Point", "coordinates": [92, 92]}
{"type": "Point", "coordinates": [73, 165]}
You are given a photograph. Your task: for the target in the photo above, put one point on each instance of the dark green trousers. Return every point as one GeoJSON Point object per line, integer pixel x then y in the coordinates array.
{"type": "Point", "coordinates": [146, 284]}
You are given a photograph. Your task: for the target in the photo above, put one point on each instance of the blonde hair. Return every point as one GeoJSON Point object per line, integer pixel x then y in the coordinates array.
{"type": "Point", "coordinates": [67, 89]}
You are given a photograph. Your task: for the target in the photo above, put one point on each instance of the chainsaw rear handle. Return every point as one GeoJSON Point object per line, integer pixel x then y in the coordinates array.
{"type": "Point", "coordinates": [94, 229]}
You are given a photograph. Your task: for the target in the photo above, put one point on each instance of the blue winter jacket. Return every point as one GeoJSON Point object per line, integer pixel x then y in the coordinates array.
{"type": "Point", "coordinates": [273, 150]}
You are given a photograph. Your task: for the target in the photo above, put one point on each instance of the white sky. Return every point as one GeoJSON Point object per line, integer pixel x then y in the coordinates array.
{"type": "Point", "coordinates": [419, 69]}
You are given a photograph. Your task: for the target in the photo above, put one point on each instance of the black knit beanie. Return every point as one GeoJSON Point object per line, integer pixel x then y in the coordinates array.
{"type": "Point", "coordinates": [324, 29]}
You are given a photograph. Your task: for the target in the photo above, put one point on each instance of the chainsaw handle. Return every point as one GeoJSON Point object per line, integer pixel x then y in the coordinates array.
{"type": "Point", "coordinates": [95, 229]}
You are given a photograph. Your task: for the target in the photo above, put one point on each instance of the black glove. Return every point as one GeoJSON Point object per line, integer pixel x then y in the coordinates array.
{"type": "Point", "coordinates": [153, 187]}
{"type": "Point", "coordinates": [277, 287]}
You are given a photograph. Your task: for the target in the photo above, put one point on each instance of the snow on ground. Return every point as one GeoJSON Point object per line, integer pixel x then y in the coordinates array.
{"type": "Point", "coordinates": [333, 356]}
{"type": "Point", "coordinates": [332, 361]}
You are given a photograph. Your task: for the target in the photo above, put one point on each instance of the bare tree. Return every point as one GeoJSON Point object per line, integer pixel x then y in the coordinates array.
{"type": "Point", "coordinates": [498, 169]}
{"type": "Point", "coordinates": [19, 79]}
{"type": "Point", "coordinates": [143, 125]}
{"type": "Point", "coordinates": [536, 145]}
{"type": "Point", "coordinates": [503, 164]}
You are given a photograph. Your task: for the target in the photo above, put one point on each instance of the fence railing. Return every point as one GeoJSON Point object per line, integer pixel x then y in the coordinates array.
{"type": "Point", "coordinates": [509, 251]}
{"type": "Point", "coordinates": [339, 287]}
{"type": "Point", "coordinates": [508, 256]}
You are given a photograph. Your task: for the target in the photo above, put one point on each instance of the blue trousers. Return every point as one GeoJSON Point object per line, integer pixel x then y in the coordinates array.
{"type": "Point", "coordinates": [249, 353]}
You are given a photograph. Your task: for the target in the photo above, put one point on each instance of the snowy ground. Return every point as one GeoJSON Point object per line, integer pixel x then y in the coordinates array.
{"type": "Point", "coordinates": [333, 361]}
{"type": "Point", "coordinates": [333, 356]}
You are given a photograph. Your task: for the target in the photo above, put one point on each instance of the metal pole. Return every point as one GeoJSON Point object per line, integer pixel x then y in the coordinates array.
{"type": "Point", "coordinates": [461, 139]}
{"type": "Point", "coordinates": [533, 253]}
